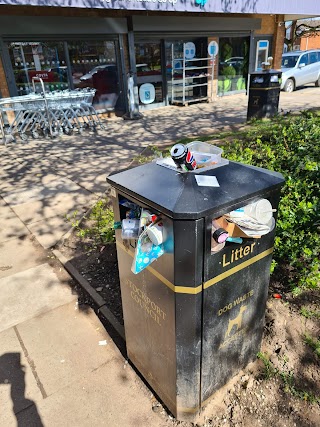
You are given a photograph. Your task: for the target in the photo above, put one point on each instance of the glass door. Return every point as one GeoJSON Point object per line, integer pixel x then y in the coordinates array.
{"type": "Point", "coordinates": [261, 50]}
{"type": "Point", "coordinates": [187, 69]}
{"type": "Point", "coordinates": [233, 64]}
{"type": "Point", "coordinates": [149, 74]}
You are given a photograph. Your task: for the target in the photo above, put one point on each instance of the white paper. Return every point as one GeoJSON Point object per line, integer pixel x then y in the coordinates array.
{"type": "Point", "coordinates": [207, 181]}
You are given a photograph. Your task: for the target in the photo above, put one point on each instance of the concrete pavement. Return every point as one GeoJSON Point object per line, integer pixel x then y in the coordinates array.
{"type": "Point", "coordinates": [58, 365]}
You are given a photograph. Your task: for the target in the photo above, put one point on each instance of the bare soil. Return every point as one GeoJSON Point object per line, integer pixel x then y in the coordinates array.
{"type": "Point", "coordinates": [285, 395]}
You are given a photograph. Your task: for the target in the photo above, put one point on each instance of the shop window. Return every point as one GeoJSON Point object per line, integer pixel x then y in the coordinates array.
{"type": "Point", "coordinates": [192, 74]}
{"type": "Point", "coordinates": [94, 65]}
{"type": "Point", "coordinates": [149, 72]}
{"type": "Point", "coordinates": [38, 59]}
{"type": "Point", "coordinates": [233, 64]}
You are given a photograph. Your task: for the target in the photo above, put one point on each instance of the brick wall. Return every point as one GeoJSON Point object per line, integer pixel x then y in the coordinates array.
{"type": "Point", "coordinates": [4, 91]}
{"type": "Point", "coordinates": [267, 24]}
{"type": "Point", "coordinates": [310, 42]}
{"type": "Point", "coordinates": [278, 42]}
{"type": "Point", "coordinates": [270, 25]}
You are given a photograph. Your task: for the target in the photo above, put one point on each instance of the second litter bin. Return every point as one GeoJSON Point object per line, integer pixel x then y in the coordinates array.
{"type": "Point", "coordinates": [194, 317]}
{"type": "Point", "coordinates": [264, 92]}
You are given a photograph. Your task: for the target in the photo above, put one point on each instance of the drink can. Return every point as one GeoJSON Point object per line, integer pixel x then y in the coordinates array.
{"type": "Point", "coordinates": [183, 157]}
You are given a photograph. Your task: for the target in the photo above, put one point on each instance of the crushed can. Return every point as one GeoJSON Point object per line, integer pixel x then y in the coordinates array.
{"type": "Point", "coordinates": [183, 157]}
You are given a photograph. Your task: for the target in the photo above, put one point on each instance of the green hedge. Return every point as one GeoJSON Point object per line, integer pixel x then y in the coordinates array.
{"type": "Point", "coordinates": [290, 145]}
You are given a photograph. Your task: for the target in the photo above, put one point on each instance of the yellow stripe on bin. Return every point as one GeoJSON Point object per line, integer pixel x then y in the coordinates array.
{"type": "Point", "coordinates": [237, 268]}
{"type": "Point", "coordinates": [198, 289]}
{"type": "Point", "coordinates": [177, 289]}
{"type": "Point", "coordinates": [263, 88]}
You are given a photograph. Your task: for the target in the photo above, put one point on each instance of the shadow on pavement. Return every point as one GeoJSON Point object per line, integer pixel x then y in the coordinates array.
{"type": "Point", "coordinates": [12, 373]}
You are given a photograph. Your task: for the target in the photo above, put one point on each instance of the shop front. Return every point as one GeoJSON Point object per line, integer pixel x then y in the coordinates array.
{"type": "Point", "coordinates": [166, 74]}
{"type": "Point", "coordinates": [169, 57]}
{"type": "Point", "coordinates": [160, 73]}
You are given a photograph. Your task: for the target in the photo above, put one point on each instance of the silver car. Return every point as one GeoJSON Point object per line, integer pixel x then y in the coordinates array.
{"type": "Point", "coordinates": [300, 68]}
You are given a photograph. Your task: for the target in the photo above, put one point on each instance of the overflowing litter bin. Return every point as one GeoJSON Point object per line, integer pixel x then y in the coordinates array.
{"type": "Point", "coordinates": [264, 92]}
{"type": "Point", "coordinates": [193, 306]}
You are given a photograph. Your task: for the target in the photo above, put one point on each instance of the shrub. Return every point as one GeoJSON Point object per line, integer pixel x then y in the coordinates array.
{"type": "Point", "coordinates": [290, 145]}
{"type": "Point", "coordinates": [95, 228]}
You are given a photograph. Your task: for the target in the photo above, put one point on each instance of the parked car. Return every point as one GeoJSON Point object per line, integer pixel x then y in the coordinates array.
{"type": "Point", "coordinates": [300, 68]}
{"type": "Point", "coordinates": [112, 68]}
{"type": "Point", "coordinates": [103, 78]}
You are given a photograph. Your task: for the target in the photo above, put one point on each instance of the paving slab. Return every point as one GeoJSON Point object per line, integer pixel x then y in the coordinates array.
{"type": "Point", "coordinates": [11, 228]}
{"type": "Point", "coordinates": [105, 164]}
{"type": "Point", "coordinates": [37, 189]}
{"type": "Point", "coordinates": [69, 349]}
{"type": "Point", "coordinates": [7, 417]}
{"type": "Point", "coordinates": [18, 386]}
{"type": "Point", "coordinates": [95, 183]}
{"type": "Point", "coordinates": [110, 396]}
{"type": "Point", "coordinates": [5, 210]}
{"type": "Point", "coordinates": [32, 176]}
{"type": "Point", "coordinates": [57, 205]}
{"type": "Point", "coordinates": [50, 230]}
{"type": "Point", "coordinates": [20, 254]}
{"type": "Point", "coordinates": [12, 171]}
{"type": "Point", "coordinates": [26, 418]}
{"type": "Point", "coordinates": [30, 293]}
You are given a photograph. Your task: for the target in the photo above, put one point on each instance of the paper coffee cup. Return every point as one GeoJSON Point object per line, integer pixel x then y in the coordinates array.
{"type": "Point", "coordinates": [260, 210]}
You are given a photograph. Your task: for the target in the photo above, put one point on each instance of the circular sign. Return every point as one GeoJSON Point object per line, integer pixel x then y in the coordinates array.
{"type": "Point", "coordinates": [189, 50]}
{"type": "Point", "coordinates": [147, 93]}
{"type": "Point", "coordinates": [213, 48]}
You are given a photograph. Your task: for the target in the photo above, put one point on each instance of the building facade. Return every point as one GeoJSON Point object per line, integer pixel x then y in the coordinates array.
{"type": "Point", "coordinates": [138, 54]}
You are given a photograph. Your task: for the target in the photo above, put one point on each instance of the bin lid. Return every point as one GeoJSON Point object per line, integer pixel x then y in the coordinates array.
{"type": "Point", "coordinates": [178, 195]}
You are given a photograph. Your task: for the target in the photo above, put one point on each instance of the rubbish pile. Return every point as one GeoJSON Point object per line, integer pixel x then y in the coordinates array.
{"type": "Point", "coordinates": [147, 229]}
{"type": "Point", "coordinates": [149, 233]}
{"type": "Point", "coordinates": [250, 221]}
{"type": "Point", "coordinates": [195, 156]}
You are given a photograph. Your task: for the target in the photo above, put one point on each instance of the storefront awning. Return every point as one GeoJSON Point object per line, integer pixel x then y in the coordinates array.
{"type": "Point", "coordinates": [297, 17]}
{"type": "Point", "coordinates": [307, 7]}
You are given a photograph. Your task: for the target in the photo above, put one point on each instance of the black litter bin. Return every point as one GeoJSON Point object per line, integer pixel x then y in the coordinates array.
{"type": "Point", "coordinates": [264, 91]}
{"type": "Point", "coordinates": [194, 318]}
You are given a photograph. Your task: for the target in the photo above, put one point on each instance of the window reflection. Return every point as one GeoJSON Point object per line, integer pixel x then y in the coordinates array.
{"type": "Point", "coordinates": [38, 59]}
{"type": "Point", "coordinates": [233, 64]}
{"type": "Point", "coordinates": [93, 64]}
{"type": "Point", "coordinates": [148, 63]}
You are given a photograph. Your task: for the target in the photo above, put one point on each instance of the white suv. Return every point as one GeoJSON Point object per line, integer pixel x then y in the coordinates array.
{"type": "Point", "coordinates": [300, 68]}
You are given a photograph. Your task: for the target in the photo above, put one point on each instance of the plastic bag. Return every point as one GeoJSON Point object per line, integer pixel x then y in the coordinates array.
{"type": "Point", "coordinates": [146, 252]}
